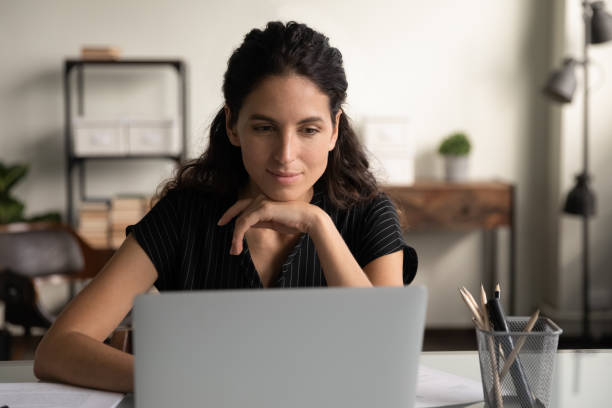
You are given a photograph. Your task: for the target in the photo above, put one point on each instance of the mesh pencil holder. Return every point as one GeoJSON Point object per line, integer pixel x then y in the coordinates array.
{"type": "Point", "coordinates": [524, 381]}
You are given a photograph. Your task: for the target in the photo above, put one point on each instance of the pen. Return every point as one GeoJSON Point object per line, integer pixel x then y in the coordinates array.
{"type": "Point", "coordinates": [487, 324]}
{"type": "Point", "coordinates": [517, 372]}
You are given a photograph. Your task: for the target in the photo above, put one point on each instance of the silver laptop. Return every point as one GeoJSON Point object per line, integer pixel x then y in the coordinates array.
{"type": "Point", "coordinates": [279, 348]}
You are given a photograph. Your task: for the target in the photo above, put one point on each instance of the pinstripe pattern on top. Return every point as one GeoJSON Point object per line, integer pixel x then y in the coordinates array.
{"type": "Point", "coordinates": [181, 237]}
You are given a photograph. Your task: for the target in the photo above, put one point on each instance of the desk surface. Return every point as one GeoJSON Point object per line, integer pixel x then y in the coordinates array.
{"type": "Point", "coordinates": [582, 377]}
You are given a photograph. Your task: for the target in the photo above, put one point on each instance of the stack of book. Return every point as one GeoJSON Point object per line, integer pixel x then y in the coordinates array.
{"type": "Point", "coordinates": [125, 210]}
{"type": "Point", "coordinates": [94, 224]}
{"type": "Point", "coordinates": [100, 53]}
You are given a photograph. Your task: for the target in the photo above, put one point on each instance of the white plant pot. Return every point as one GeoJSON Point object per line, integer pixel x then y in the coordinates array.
{"type": "Point", "coordinates": [456, 168]}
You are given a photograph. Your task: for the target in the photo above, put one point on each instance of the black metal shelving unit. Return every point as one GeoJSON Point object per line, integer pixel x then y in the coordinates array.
{"type": "Point", "coordinates": [73, 161]}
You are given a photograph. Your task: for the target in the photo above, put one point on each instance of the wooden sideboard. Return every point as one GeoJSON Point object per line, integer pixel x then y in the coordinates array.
{"type": "Point", "coordinates": [442, 206]}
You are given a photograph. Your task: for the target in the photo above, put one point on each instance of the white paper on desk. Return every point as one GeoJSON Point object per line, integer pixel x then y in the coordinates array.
{"type": "Point", "coordinates": [440, 389]}
{"type": "Point", "coordinates": [50, 395]}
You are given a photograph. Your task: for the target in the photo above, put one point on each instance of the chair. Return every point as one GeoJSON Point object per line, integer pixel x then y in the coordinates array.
{"type": "Point", "coordinates": [31, 251]}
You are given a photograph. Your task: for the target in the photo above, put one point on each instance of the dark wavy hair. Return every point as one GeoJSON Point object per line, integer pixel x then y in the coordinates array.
{"type": "Point", "coordinates": [290, 48]}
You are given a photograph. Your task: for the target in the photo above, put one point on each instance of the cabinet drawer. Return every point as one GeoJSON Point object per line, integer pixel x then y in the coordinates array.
{"type": "Point", "coordinates": [448, 206]}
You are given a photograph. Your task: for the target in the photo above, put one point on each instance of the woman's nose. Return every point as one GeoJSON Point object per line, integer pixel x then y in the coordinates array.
{"type": "Point", "coordinates": [285, 150]}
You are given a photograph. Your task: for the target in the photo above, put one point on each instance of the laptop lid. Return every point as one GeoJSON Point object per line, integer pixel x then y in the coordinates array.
{"type": "Point", "coordinates": [279, 348]}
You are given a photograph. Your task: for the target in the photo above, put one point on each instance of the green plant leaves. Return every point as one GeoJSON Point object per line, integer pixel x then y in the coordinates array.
{"type": "Point", "coordinates": [457, 144]}
{"type": "Point", "coordinates": [11, 210]}
{"type": "Point", "coordinates": [9, 176]}
{"type": "Point", "coordinates": [53, 216]}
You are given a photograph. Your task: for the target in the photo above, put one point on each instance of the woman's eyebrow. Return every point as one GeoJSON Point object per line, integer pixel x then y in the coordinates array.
{"type": "Point", "coordinates": [258, 116]}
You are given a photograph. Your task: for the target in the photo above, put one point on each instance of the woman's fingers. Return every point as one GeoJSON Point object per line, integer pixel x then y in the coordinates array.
{"type": "Point", "coordinates": [234, 210]}
{"type": "Point", "coordinates": [285, 217]}
{"type": "Point", "coordinates": [248, 219]}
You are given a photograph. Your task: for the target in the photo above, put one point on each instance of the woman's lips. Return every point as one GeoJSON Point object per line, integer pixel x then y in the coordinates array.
{"type": "Point", "coordinates": [284, 177]}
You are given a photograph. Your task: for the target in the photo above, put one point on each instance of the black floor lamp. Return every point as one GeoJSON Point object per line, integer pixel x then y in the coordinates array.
{"type": "Point", "coordinates": [560, 87]}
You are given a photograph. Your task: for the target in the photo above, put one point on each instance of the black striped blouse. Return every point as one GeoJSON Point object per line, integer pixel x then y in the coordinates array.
{"type": "Point", "coordinates": [181, 237]}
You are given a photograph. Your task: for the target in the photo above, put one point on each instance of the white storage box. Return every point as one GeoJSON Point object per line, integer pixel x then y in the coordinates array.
{"type": "Point", "coordinates": [98, 137]}
{"type": "Point", "coordinates": [152, 136]}
{"type": "Point", "coordinates": [133, 137]}
{"type": "Point", "coordinates": [390, 149]}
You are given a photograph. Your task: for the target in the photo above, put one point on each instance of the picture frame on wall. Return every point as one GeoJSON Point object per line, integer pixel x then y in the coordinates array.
{"type": "Point", "coordinates": [390, 149]}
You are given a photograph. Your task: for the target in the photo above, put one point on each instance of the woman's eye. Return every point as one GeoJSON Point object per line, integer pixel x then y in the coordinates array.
{"type": "Point", "coordinates": [263, 128]}
{"type": "Point", "coordinates": [311, 131]}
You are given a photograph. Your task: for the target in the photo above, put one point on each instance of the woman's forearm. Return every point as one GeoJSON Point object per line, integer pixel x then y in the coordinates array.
{"type": "Point", "coordinates": [81, 360]}
{"type": "Point", "coordinates": [339, 265]}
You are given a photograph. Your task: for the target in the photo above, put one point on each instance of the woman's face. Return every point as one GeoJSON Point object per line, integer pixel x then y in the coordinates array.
{"type": "Point", "coordinates": [285, 132]}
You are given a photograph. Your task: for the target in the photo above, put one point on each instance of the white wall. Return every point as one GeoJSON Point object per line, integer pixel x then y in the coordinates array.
{"type": "Point", "coordinates": [475, 65]}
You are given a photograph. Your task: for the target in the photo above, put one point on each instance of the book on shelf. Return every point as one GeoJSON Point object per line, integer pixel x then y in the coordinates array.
{"type": "Point", "coordinates": [100, 52]}
{"type": "Point", "coordinates": [128, 202]}
{"type": "Point", "coordinates": [94, 223]}
{"type": "Point", "coordinates": [103, 224]}
{"type": "Point", "coordinates": [94, 206]}
{"type": "Point", "coordinates": [125, 210]}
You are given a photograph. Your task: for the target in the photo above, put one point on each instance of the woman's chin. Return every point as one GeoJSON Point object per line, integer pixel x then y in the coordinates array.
{"type": "Point", "coordinates": [287, 194]}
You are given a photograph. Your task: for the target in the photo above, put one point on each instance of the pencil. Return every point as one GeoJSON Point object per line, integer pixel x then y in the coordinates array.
{"type": "Point", "coordinates": [483, 305]}
{"type": "Point", "coordinates": [476, 323]}
{"type": "Point", "coordinates": [482, 323]}
{"type": "Point", "coordinates": [473, 302]}
{"type": "Point", "coordinates": [497, 291]}
{"type": "Point", "coordinates": [469, 295]}
{"type": "Point", "coordinates": [532, 321]}
{"type": "Point", "coordinates": [473, 308]}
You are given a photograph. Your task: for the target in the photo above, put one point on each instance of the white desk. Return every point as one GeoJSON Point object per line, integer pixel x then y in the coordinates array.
{"type": "Point", "coordinates": [582, 377]}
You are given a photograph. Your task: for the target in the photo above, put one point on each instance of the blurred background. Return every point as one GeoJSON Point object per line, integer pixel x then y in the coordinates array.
{"type": "Point", "coordinates": [436, 67]}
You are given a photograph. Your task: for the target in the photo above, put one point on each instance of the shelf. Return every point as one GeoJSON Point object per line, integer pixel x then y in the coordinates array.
{"type": "Point", "coordinates": [176, 63]}
{"type": "Point", "coordinates": [78, 162]}
{"type": "Point", "coordinates": [123, 157]}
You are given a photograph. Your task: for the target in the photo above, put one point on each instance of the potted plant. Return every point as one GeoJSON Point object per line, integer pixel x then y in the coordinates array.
{"type": "Point", "coordinates": [11, 209]}
{"type": "Point", "coordinates": [455, 150]}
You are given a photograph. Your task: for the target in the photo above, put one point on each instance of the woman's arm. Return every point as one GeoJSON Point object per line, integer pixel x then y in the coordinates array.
{"type": "Point", "coordinates": [340, 266]}
{"type": "Point", "coordinates": [73, 351]}
{"type": "Point", "coordinates": [338, 263]}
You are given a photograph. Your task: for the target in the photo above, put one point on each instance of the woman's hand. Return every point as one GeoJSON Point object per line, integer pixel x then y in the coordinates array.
{"type": "Point", "coordinates": [287, 217]}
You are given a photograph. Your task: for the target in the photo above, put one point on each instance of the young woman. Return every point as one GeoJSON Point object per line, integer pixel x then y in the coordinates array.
{"type": "Point", "coordinates": [282, 197]}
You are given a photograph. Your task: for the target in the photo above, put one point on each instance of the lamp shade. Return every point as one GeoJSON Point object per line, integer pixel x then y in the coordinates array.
{"type": "Point", "coordinates": [562, 83]}
{"type": "Point", "coordinates": [601, 24]}
{"type": "Point", "coordinates": [580, 200]}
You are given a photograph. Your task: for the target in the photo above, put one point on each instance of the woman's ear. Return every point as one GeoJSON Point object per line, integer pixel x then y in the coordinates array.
{"type": "Point", "coordinates": [231, 132]}
{"type": "Point", "coordinates": [334, 138]}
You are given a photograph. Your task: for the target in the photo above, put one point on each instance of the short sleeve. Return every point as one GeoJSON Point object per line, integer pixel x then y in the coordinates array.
{"type": "Point", "coordinates": [158, 235]}
{"type": "Point", "coordinates": [381, 234]}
